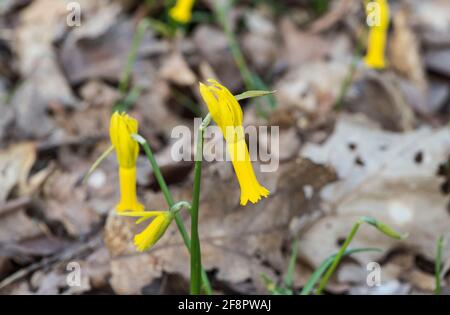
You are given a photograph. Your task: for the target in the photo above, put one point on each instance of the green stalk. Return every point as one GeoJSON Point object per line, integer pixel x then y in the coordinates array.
{"type": "Point", "coordinates": [369, 220]}
{"type": "Point", "coordinates": [195, 239]}
{"type": "Point", "coordinates": [347, 83]}
{"type": "Point", "coordinates": [317, 274]}
{"type": "Point", "coordinates": [251, 80]}
{"type": "Point", "coordinates": [125, 79]}
{"type": "Point", "coordinates": [338, 258]}
{"type": "Point", "coordinates": [171, 203]}
{"type": "Point", "coordinates": [438, 265]}
{"type": "Point", "coordinates": [289, 278]}
{"type": "Point", "coordinates": [236, 52]}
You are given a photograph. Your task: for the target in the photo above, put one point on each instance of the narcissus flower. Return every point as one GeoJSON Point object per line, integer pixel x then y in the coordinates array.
{"type": "Point", "coordinates": [375, 57]}
{"type": "Point", "coordinates": [122, 127]}
{"type": "Point", "coordinates": [227, 113]}
{"type": "Point", "coordinates": [154, 231]}
{"type": "Point", "coordinates": [182, 11]}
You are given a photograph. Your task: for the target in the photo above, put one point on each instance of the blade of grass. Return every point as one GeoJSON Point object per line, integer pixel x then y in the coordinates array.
{"type": "Point", "coordinates": [289, 278]}
{"type": "Point", "coordinates": [138, 37]}
{"type": "Point", "coordinates": [251, 80]}
{"type": "Point", "coordinates": [438, 265]}
{"type": "Point", "coordinates": [347, 83]}
{"type": "Point", "coordinates": [383, 228]}
{"type": "Point", "coordinates": [317, 274]}
{"type": "Point", "coordinates": [124, 104]}
{"type": "Point", "coordinates": [97, 163]}
{"type": "Point", "coordinates": [253, 93]}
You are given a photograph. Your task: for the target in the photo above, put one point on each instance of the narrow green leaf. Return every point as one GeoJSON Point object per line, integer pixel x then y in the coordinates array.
{"type": "Point", "coordinates": [317, 274]}
{"type": "Point", "coordinates": [132, 56]}
{"type": "Point", "coordinates": [289, 279]}
{"type": "Point", "coordinates": [438, 265]}
{"type": "Point", "coordinates": [273, 288]}
{"type": "Point", "coordinates": [251, 94]}
{"type": "Point", "coordinates": [130, 99]}
{"type": "Point", "coordinates": [97, 163]}
{"type": "Point", "coordinates": [383, 228]}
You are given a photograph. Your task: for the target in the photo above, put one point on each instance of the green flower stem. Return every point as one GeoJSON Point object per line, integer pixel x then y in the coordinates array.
{"type": "Point", "coordinates": [289, 278]}
{"type": "Point", "coordinates": [125, 79]}
{"type": "Point", "coordinates": [347, 83]}
{"type": "Point", "coordinates": [195, 239]}
{"type": "Point", "coordinates": [369, 220]}
{"type": "Point", "coordinates": [317, 274]}
{"type": "Point", "coordinates": [171, 203]}
{"type": "Point", "coordinates": [251, 80]}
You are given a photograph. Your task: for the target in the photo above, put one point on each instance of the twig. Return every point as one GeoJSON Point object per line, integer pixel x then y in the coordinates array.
{"type": "Point", "coordinates": [67, 254]}
{"type": "Point", "coordinates": [15, 204]}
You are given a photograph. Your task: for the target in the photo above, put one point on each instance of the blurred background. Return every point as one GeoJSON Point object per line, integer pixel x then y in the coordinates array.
{"type": "Point", "coordinates": [353, 141]}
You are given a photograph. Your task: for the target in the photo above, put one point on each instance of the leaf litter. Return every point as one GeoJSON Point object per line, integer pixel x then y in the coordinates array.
{"type": "Point", "coordinates": [384, 154]}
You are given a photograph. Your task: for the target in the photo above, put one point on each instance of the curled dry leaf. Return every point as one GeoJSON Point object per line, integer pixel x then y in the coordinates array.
{"type": "Point", "coordinates": [302, 47]}
{"type": "Point", "coordinates": [44, 82]}
{"type": "Point", "coordinates": [313, 88]}
{"type": "Point", "coordinates": [384, 98]}
{"type": "Point", "coordinates": [408, 61]}
{"type": "Point", "coordinates": [15, 166]}
{"type": "Point", "coordinates": [176, 70]}
{"type": "Point", "coordinates": [67, 203]}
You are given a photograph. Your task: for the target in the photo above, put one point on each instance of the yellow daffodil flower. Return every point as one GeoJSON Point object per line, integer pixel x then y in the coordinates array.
{"type": "Point", "coordinates": [182, 11]}
{"type": "Point", "coordinates": [375, 57]}
{"type": "Point", "coordinates": [227, 113]}
{"type": "Point", "coordinates": [122, 127]}
{"type": "Point", "coordinates": [154, 231]}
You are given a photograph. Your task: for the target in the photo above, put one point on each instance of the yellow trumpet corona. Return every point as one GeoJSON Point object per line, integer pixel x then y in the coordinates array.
{"type": "Point", "coordinates": [182, 11]}
{"type": "Point", "coordinates": [122, 127]}
{"type": "Point", "coordinates": [227, 113]}
{"type": "Point", "coordinates": [375, 57]}
{"type": "Point", "coordinates": [154, 231]}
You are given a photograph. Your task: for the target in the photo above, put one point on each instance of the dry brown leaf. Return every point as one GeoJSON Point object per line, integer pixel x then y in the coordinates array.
{"type": "Point", "coordinates": [438, 61]}
{"type": "Point", "coordinates": [313, 88]}
{"type": "Point", "coordinates": [99, 48]}
{"type": "Point", "coordinates": [218, 55]}
{"type": "Point", "coordinates": [380, 96]}
{"type": "Point", "coordinates": [44, 82]}
{"type": "Point", "coordinates": [67, 202]}
{"type": "Point", "coordinates": [432, 16]}
{"type": "Point", "coordinates": [404, 51]}
{"type": "Point", "coordinates": [15, 166]}
{"type": "Point", "coordinates": [339, 10]}
{"type": "Point", "coordinates": [389, 176]}
{"type": "Point", "coordinates": [99, 94]}
{"type": "Point", "coordinates": [260, 43]}
{"type": "Point", "coordinates": [301, 47]}
{"type": "Point", "coordinates": [176, 70]}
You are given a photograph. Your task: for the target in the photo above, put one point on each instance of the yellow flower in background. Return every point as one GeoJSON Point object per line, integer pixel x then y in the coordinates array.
{"type": "Point", "coordinates": [182, 11]}
{"type": "Point", "coordinates": [378, 16]}
{"type": "Point", "coordinates": [121, 128]}
{"type": "Point", "coordinates": [154, 231]}
{"type": "Point", "coordinates": [227, 113]}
